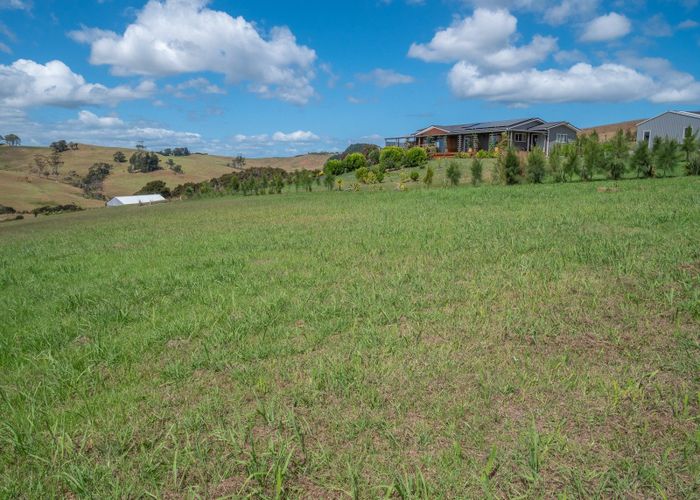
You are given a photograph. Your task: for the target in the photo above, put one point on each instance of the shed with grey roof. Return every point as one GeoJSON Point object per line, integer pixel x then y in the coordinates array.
{"type": "Point", "coordinates": [671, 124]}
{"type": "Point", "coordinates": [144, 199]}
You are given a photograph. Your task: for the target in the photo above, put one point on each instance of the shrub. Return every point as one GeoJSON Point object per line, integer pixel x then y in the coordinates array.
{"type": "Point", "coordinates": [334, 167]}
{"type": "Point", "coordinates": [7, 210]}
{"type": "Point", "coordinates": [119, 157]}
{"type": "Point", "coordinates": [428, 178]}
{"type": "Point", "coordinates": [354, 161]}
{"type": "Point", "coordinates": [571, 162]}
{"type": "Point", "coordinates": [641, 160]}
{"type": "Point", "coordinates": [454, 173]}
{"type": "Point", "coordinates": [477, 170]}
{"type": "Point", "coordinates": [415, 158]}
{"type": "Point", "coordinates": [415, 176]}
{"type": "Point", "coordinates": [378, 172]}
{"type": "Point", "coordinates": [554, 164]}
{"type": "Point", "coordinates": [482, 154]}
{"type": "Point", "coordinates": [155, 187]}
{"type": "Point", "coordinates": [56, 209]}
{"type": "Point", "coordinates": [329, 181]}
{"type": "Point", "coordinates": [536, 163]}
{"type": "Point", "coordinates": [361, 173]}
{"type": "Point", "coordinates": [511, 167]}
{"type": "Point", "coordinates": [373, 156]}
{"type": "Point", "coordinates": [618, 155]}
{"type": "Point", "coordinates": [391, 157]}
{"type": "Point", "coordinates": [593, 157]}
{"type": "Point", "coordinates": [370, 178]}
{"type": "Point", "coordinates": [692, 166]}
{"type": "Point", "coordinates": [666, 155]}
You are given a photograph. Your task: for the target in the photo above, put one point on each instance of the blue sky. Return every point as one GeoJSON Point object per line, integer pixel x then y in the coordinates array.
{"type": "Point", "coordinates": [283, 78]}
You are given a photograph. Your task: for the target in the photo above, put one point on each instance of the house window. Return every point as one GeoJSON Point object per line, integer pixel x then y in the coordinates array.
{"type": "Point", "coordinates": [519, 137]}
{"type": "Point", "coordinates": [562, 138]}
{"type": "Point", "coordinates": [647, 136]}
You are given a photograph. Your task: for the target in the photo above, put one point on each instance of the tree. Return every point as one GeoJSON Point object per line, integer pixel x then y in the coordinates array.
{"type": "Point", "coordinates": [428, 178]}
{"type": "Point", "coordinates": [42, 164]}
{"type": "Point", "coordinates": [667, 155]}
{"type": "Point", "coordinates": [334, 167]}
{"type": "Point", "coordinates": [237, 162]}
{"type": "Point", "coordinates": [618, 155]}
{"type": "Point", "coordinates": [73, 146]}
{"type": "Point", "coordinates": [536, 163]}
{"type": "Point", "coordinates": [59, 146]}
{"type": "Point", "coordinates": [97, 173]}
{"type": "Point", "coordinates": [477, 170]}
{"type": "Point", "coordinates": [329, 181]}
{"type": "Point", "coordinates": [572, 162]}
{"type": "Point", "coordinates": [354, 161]}
{"type": "Point", "coordinates": [392, 157]}
{"type": "Point", "coordinates": [55, 162]}
{"type": "Point", "coordinates": [690, 143]}
{"type": "Point", "coordinates": [641, 160]}
{"type": "Point", "coordinates": [416, 157]}
{"type": "Point", "coordinates": [13, 140]}
{"type": "Point", "coordinates": [593, 156]}
{"type": "Point", "coordinates": [454, 173]}
{"type": "Point", "coordinates": [555, 166]}
{"type": "Point", "coordinates": [143, 161]}
{"type": "Point", "coordinates": [511, 167]}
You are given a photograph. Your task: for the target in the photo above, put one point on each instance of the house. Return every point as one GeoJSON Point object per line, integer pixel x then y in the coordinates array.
{"type": "Point", "coordinates": [524, 134]}
{"type": "Point", "coordinates": [671, 124]}
{"type": "Point", "coordinates": [145, 199]}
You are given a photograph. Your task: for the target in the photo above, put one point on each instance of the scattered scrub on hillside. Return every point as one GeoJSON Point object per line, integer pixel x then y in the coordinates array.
{"type": "Point", "coordinates": [155, 187]}
{"type": "Point", "coordinates": [56, 209]}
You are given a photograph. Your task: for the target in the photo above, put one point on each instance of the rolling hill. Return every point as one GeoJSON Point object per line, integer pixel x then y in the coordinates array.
{"type": "Point", "coordinates": [24, 190]}
{"type": "Point", "coordinates": [606, 132]}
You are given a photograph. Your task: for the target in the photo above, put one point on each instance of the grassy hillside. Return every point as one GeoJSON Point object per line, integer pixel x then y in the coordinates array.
{"type": "Point", "coordinates": [469, 342]}
{"type": "Point", "coordinates": [24, 190]}
{"type": "Point", "coordinates": [606, 132]}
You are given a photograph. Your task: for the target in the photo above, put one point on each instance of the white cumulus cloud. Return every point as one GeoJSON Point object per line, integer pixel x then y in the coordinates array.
{"type": "Point", "coordinates": [608, 27]}
{"type": "Point", "coordinates": [580, 83]}
{"type": "Point", "coordinates": [92, 120]}
{"type": "Point", "coordinates": [26, 83]}
{"type": "Point", "coordinates": [184, 36]}
{"type": "Point", "coordinates": [484, 39]}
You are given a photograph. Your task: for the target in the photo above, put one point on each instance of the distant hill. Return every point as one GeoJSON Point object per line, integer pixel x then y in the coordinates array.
{"type": "Point", "coordinates": [606, 132]}
{"type": "Point", "coordinates": [24, 190]}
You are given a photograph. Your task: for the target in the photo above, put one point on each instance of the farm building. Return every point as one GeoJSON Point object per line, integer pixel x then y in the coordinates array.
{"type": "Point", "coordinates": [524, 134]}
{"type": "Point", "coordinates": [146, 199]}
{"type": "Point", "coordinates": [671, 124]}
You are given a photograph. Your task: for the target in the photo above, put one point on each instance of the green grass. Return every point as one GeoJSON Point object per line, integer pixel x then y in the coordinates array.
{"type": "Point", "coordinates": [530, 341]}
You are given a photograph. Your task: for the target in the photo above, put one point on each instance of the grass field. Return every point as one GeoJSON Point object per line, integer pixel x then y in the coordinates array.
{"type": "Point", "coordinates": [23, 190]}
{"type": "Point", "coordinates": [490, 342]}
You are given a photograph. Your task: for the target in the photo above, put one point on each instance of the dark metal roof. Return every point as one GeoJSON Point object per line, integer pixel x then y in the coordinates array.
{"type": "Point", "coordinates": [482, 127]}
